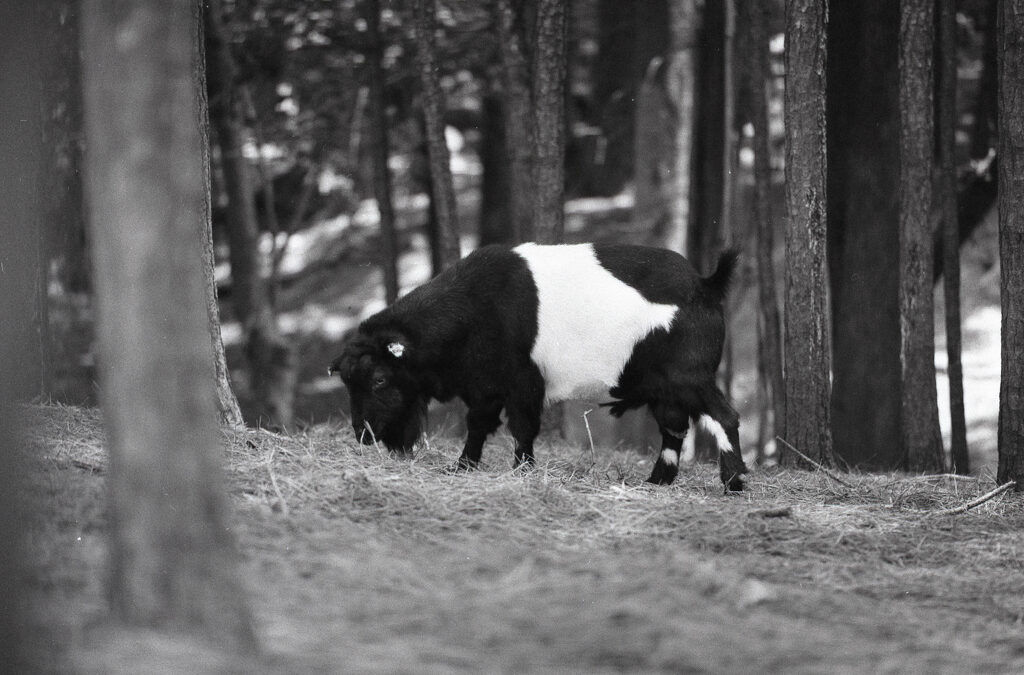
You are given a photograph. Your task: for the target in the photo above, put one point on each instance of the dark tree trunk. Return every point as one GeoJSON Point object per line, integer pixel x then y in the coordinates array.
{"type": "Point", "coordinates": [495, 199]}
{"type": "Point", "coordinates": [227, 403]}
{"type": "Point", "coordinates": [631, 34]}
{"type": "Point", "coordinates": [921, 438]}
{"type": "Point", "coordinates": [21, 161]}
{"type": "Point", "coordinates": [442, 194]}
{"type": "Point", "coordinates": [548, 67]}
{"type": "Point", "coordinates": [1011, 240]}
{"type": "Point", "coordinates": [808, 424]}
{"type": "Point", "coordinates": [863, 232]}
{"type": "Point", "coordinates": [172, 562]}
{"type": "Point", "coordinates": [517, 105]}
{"type": "Point", "coordinates": [752, 27]}
{"type": "Point", "coordinates": [380, 144]}
{"type": "Point", "coordinates": [270, 357]}
{"type": "Point", "coordinates": [946, 118]}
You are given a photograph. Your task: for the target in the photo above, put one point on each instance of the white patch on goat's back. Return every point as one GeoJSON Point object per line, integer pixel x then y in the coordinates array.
{"type": "Point", "coordinates": [587, 320]}
{"type": "Point", "coordinates": [670, 456]}
{"type": "Point", "coordinates": [715, 429]}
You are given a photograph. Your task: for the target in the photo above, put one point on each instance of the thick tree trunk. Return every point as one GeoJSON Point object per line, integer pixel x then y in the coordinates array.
{"type": "Point", "coordinates": [863, 232]}
{"type": "Point", "coordinates": [681, 83]}
{"type": "Point", "coordinates": [172, 562]}
{"type": "Point", "coordinates": [1011, 240]}
{"type": "Point", "coordinates": [442, 193]}
{"type": "Point", "coordinates": [752, 19]}
{"type": "Point", "coordinates": [808, 423]}
{"type": "Point", "coordinates": [518, 111]}
{"type": "Point", "coordinates": [549, 78]}
{"type": "Point", "coordinates": [921, 439]}
{"type": "Point", "coordinates": [227, 403]}
{"type": "Point", "coordinates": [270, 357]}
{"type": "Point", "coordinates": [21, 160]}
{"type": "Point", "coordinates": [946, 118]}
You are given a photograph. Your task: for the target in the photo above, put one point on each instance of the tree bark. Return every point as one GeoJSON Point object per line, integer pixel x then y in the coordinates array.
{"type": "Point", "coordinates": [380, 144]}
{"type": "Point", "coordinates": [227, 403]}
{"type": "Point", "coordinates": [443, 191]}
{"type": "Point", "coordinates": [172, 562]}
{"type": "Point", "coordinates": [921, 439]}
{"type": "Point", "coordinates": [495, 225]}
{"type": "Point", "coordinates": [752, 20]}
{"type": "Point", "coordinates": [1011, 240]}
{"type": "Point", "coordinates": [21, 161]}
{"type": "Point", "coordinates": [549, 78]}
{"type": "Point", "coordinates": [946, 119]}
{"type": "Point", "coordinates": [518, 111]}
{"type": "Point", "coordinates": [863, 232]}
{"type": "Point", "coordinates": [807, 388]}
{"type": "Point", "coordinates": [681, 83]}
{"type": "Point", "coordinates": [270, 358]}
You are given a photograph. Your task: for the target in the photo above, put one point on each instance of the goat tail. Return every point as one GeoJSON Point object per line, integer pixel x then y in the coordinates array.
{"type": "Point", "coordinates": [717, 285]}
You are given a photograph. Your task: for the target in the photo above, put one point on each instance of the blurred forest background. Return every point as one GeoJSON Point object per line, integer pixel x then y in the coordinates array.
{"type": "Point", "coordinates": [357, 147]}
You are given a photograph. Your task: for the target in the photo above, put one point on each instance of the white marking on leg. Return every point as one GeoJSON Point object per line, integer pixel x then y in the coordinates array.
{"type": "Point", "coordinates": [670, 456]}
{"type": "Point", "coordinates": [709, 425]}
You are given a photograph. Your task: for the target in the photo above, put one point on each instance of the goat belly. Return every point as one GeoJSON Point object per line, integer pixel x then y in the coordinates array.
{"type": "Point", "coordinates": [588, 321]}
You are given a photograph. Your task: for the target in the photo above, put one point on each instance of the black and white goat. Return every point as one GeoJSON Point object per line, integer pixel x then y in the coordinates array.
{"type": "Point", "coordinates": [510, 329]}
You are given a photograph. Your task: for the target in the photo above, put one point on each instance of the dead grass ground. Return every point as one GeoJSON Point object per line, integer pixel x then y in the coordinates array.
{"type": "Point", "coordinates": [357, 562]}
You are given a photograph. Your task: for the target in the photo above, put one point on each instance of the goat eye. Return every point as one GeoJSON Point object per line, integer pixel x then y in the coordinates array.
{"type": "Point", "coordinates": [379, 381]}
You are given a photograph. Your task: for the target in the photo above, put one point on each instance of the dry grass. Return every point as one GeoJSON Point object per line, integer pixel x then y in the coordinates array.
{"type": "Point", "coordinates": [359, 562]}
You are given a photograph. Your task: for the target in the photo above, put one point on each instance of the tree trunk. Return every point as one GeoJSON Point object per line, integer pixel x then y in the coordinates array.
{"type": "Point", "coordinates": [706, 224]}
{"type": "Point", "coordinates": [808, 423]}
{"type": "Point", "coordinates": [270, 358]}
{"type": "Point", "coordinates": [653, 121]}
{"type": "Point", "coordinates": [752, 19]}
{"type": "Point", "coordinates": [495, 225]}
{"type": "Point", "coordinates": [681, 83]}
{"type": "Point", "coordinates": [380, 144]}
{"type": "Point", "coordinates": [921, 439]}
{"type": "Point", "coordinates": [518, 111]}
{"type": "Point", "coordinates": [549, 79]}
{"type": "Point", "coordinates": [947, 185]}
{"type": "Point", "coordinates": [863, 232]}
{"type": "Point", "coordinates": [227, 403]}
{"type": "Point", "coordinates": [1011, 240]}
{"type": "Point", "coordinates": [21, 161]}
{"type": "Point", "coordinates": [172, 562]}
{"type": "Point", "coordinates": [442, 193]}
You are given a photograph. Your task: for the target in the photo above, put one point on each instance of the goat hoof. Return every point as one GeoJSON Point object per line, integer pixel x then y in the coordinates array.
{"type": "Point", "coordinates": [462, 465]}
{"type": "Point", "coordinates": [663, 475]}
{"type": "Point", "coordinates": [732, 484]}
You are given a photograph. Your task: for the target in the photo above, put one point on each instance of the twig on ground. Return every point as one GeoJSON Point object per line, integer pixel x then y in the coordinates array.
{"type": "Point", "coordinates": [963, 508]}
{"type": "Point", "coordinates": [936, 476]}
{"type": "Point", "coordinates": [586, 422]}
{"type": "Point", "coordinates": [813, 463]}
{"type": "Point", "coordinates": [273, 481]}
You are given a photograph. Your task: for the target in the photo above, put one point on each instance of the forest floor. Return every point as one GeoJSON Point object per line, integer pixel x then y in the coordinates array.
{"type": "Point", "coordinates": [357, 562]}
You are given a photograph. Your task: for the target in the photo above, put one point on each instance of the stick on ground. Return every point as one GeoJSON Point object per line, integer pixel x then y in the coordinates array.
{"type": "Point", "coordinates": [813, 463]}
{"type": "Point", "coordinates": [963, 508]}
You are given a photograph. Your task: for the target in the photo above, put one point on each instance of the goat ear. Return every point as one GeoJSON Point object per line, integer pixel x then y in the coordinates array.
{"type": "Point", "coordinates": [396, 349]}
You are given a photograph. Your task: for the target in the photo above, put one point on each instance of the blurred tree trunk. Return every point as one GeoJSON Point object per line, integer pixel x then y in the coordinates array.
{"type": "Point", "coordinates": [653, 143]}
{"type": "Point", "coordinates": [752, 28]}
{"type": "Point", "coordinates": [172, 562]}
{"type": "Point", "coordinates": [946, 118]}
{"type": "Point", "coordinates": [548, 68]}
{"type": "Point", "coordinates": [921, 438]}
{"type": "Point", "coordinates": [22, 35]}
{"type": "Point", "coordinates": [227, 403]}
{"type": "Point", "coordinates": [630, 36]}
{"type": "Point", "coordinates": [807, 389]}
{"type": "Point", "coordinates": [517, 106]}
{"type": "Point", "coordinates": [681, 83]}
{"type": "Point", "coordinates": [495, 225]}
{"type": "Point", "coordinates": [270, 358]}
{"type": "Point", "coordinates": [380, 144]}
{"type": "Point", "coordinates": [863, 232]}
{"type": "Point", "coordinates": [442, 194]}
{"type": "Point", "coordinates": [1011, 240]}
